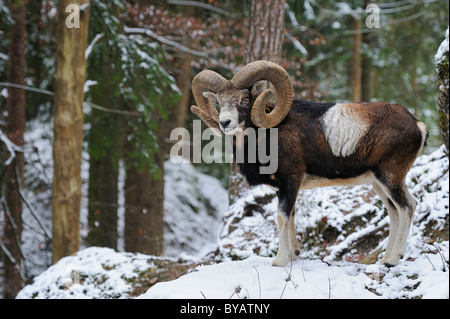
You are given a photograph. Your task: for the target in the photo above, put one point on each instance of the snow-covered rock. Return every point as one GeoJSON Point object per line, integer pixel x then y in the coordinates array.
{"type": "Point", "coordinates": [94, 272]}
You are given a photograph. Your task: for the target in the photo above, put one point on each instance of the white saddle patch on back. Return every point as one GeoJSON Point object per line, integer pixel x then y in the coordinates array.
{"type": "Point", "coordinates": [343, 128]}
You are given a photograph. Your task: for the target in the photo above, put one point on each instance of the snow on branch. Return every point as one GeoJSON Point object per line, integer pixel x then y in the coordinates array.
{"type": "Point", "coordinates": [166, 41]}
{"type": "Point", "coordinates": [208, 54]}
{"type": "Point", "coordinates": [12, 148]}
{"type": "Point", "coordinates": [297, 44]}
{"type": "Point", "coordinates": [91, 45]}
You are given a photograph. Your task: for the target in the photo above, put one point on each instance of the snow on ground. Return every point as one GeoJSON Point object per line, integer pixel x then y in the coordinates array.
{"type": "Point", "coordinates": [255, 277]}
{"type": "Point", "coordinates": [104, 273]}
{"type": "Point", "coordinates": [340, 227]}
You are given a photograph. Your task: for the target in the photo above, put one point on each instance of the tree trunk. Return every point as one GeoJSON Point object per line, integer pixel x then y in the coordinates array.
{"type": "Point", "coordinates": [15, 128]}
{"type": "Point", "coordinates": [183, 78]}
{"type": "Point", "coordinates": [266, 31]}
{"type": "Point", "coordinates": [68, 130]}
{"type": "Point", "coordinates": [104, 179]}
{"type": "Point", "coordinates": [264, 42]}
{"type": "Point", "coordinates": [356, 61]}
{"type": "Point", "coordinates": [366, 66]}
{"type": "Point", "coordinates": [144, 211]}
{"type": "Point", "coordinates": [443, 100]}
{"type": "Point", "coordinates": [105, 150]}
{"type": "Point", "coordinates": [144, 193]}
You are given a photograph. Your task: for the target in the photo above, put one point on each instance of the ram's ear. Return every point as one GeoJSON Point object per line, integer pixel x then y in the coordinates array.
{"type": "Point", "coordinates": [210, 95]}
{"type": "Point", "coordinates": [258, 87]}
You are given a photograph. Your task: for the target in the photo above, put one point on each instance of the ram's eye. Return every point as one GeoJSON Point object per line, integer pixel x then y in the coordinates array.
{"type": "Point", "coordinates": [246, 98]}
{"type": "Point", "coordinates": [216, 104]}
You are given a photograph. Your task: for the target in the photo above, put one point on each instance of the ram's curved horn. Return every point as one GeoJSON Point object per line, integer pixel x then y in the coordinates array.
{"type": "Point", "coordinates": [272, 72]}
{"type": "Point", "coordinates": [205, 81]}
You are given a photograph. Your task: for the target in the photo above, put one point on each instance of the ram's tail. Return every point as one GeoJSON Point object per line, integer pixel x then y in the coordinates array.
{"type": "Point", "coordinates": [423, 129]}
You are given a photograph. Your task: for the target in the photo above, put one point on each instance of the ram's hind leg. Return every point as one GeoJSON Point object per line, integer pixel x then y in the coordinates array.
{"type": "Point", "coordinates": [393, 218]}
{"type": "Point", "coordinates": [405, 204]}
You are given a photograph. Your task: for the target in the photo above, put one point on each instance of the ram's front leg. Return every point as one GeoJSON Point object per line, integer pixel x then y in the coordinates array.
{"type": "Point", "coordinates": [288, 247]}
{"type": "Point", "coordinates": [294, 245]}
{"type": "Point", "coordinates": [283, 255]}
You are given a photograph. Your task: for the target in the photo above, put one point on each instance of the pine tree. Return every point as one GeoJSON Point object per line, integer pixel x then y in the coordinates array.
{"type": "Point", "coordinates": [138, 92]}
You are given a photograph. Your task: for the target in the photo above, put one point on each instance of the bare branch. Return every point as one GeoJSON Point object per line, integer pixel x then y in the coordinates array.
{"type": "Point", "coordinates": [108, 110]}
{"type": "Point", "coordinates": [19, 266]}
{"type": "Point", "coordinates": [26, 88]}
{"type": "Point", "coordinates": [47, 92]}
{"type": "Point", "coordinates": [201, 5]}
{"type": "Point", "coordinates": [206, 54]}
{"type": "Point", "coordinates": [259, 283]}
{"type": "Point", "coordinates": [164, 40]}
{"type": "Point", "coordinates": [36, 217]}
{"type": "Point", "coordinates": [329, 288]}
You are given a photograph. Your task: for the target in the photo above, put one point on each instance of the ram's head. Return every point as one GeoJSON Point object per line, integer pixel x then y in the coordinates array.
{"type": "Point", "coordinates": [234, 98]}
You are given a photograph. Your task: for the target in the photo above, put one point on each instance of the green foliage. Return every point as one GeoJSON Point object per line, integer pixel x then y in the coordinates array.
{"type": "Point", "coordinates": [129, 78]}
